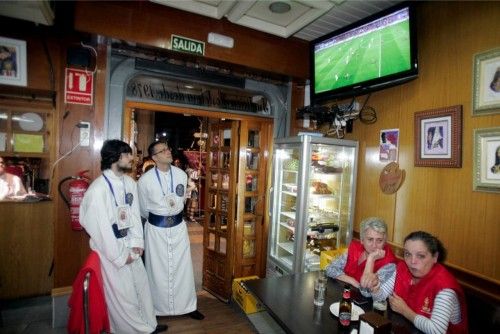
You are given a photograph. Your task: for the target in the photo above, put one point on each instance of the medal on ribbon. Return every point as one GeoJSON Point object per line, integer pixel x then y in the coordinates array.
{"type": "Point", "coordinates": [129, 198]}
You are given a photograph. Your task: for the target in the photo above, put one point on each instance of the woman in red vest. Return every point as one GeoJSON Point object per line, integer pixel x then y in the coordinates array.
{"type": "Point", "coordinates": [423, 291]}
{"type": "Point", "coordinates": [367, 262]}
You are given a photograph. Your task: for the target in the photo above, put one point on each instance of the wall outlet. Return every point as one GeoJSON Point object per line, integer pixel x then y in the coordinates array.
{"type": "Point", "coordinates": [84, 133]}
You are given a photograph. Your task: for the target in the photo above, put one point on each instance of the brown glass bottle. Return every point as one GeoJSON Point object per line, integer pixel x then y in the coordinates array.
{"type": "Point", "coordinates": [345, 307]}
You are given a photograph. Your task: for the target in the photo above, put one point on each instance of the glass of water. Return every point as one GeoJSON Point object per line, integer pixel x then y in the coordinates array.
{"type": "Point", "coordinates": [319, 292]}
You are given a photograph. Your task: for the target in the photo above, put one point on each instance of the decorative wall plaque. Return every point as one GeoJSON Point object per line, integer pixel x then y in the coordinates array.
{"type": "Point", "coordinates": [391, 178]}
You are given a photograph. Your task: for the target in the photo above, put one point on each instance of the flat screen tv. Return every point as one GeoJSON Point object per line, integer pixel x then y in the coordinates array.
{"type": "Point", "coordinates": [374, 53]}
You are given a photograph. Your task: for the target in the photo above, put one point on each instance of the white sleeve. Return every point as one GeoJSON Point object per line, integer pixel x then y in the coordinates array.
{"type": "Point", "coordinates": [445, 305]}
{"type": "Point", "coordinates": [143, 196]}
{"type": "Point", "coordinates": [135, 233]}
{"type": "Point", "coordinates": [336, 267]}
{"type": "Point", "coordinates": [386, 288]}
{"type": "Point", "coordinates": [97, 218]}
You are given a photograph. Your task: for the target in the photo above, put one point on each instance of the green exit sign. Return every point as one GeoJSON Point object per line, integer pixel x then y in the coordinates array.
{"type": "Point", "coordinates": [184, 44]}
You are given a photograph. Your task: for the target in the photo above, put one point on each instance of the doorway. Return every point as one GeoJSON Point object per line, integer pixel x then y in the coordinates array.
{"type": "Point", "coordinates": [231, 153]}
{"type": "Point", "coordinates": [186, 135]}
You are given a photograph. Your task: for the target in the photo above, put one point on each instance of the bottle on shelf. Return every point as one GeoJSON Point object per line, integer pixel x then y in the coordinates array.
{"type": "Point", "coordinates": [345, 307]}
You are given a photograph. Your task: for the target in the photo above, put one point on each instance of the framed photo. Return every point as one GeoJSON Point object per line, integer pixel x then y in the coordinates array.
{"type": "Point", "coordinates": [438, 137]}
{"type": "Point", "coordinates": [486, 159]}
{"type": "Point", "coordinates": [388, 146]}
{"type": "Point", "coordinates": [486, 88]}
{"type": "Point", "coordinates": [12, 62]}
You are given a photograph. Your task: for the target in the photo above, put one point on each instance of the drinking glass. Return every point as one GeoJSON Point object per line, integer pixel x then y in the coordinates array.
{"type": "Point", "coordinates": [319, 292]}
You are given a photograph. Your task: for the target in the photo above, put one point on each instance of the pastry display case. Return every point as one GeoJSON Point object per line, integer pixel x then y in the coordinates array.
{"type": "Point", "coordinates": [313, 194]}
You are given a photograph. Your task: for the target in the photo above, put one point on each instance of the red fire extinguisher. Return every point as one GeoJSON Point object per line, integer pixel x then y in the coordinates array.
{"type": "Point", "coordinates": [77, 188]}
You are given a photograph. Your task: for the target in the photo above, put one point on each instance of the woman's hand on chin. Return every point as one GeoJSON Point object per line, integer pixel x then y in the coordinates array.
{"type": "Point", "coordinates": [377, 254]}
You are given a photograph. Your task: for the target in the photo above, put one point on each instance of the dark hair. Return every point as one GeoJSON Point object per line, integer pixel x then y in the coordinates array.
{"type": "Point", "coordinates": [433, 244]}
{"type": "Point", "coordinates": [111, 152]}
{"type": "Point", "coordinates": [151, 147]}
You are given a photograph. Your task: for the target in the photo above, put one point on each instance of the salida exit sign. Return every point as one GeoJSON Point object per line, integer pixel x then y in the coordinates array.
{"type": "Point", "coordinates": [184, 44]}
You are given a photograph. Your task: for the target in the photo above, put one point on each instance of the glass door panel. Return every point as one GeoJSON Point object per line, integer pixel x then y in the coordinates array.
{"type": "Point", "coordinates": [285, 205]}
{"type": "Point", "coordinates": [220, 208]}
{"type": "Point", "coordinates": [313, 196]}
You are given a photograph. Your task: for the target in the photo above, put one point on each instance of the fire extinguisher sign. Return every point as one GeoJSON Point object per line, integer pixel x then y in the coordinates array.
{"type": "Point", "coordinates": [79, 87]}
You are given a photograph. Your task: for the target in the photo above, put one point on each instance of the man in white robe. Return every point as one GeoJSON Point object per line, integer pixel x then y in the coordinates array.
{"type": "Point", "coordinates": [162, 194]}
{"type": "Point", "coordinates": [110, 215]}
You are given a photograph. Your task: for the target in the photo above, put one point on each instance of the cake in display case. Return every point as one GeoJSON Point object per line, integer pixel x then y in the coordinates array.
{"type": "Point", "coordinates": [313, 194]}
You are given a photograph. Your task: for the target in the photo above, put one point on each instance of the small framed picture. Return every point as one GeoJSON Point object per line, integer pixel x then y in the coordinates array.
{"type": "Point", "coordinates": [486, 159]}
{"type": "Point", "coordinates": [438, 137]}
{"type": "Point", "coordinates": [388, 146]}
{"type": "Point", "coordinates": [486, 83]}
{"type": "Point", "coordinates": [12, 62]}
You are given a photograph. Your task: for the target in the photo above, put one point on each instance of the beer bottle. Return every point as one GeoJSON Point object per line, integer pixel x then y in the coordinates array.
{"type": "Point", "coordinates": [345, 307]}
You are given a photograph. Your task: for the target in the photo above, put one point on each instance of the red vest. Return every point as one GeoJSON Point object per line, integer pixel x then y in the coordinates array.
{"type": "Point", "coordinates": [98, 312]}
{"type": "Point", "coordinates": [420, 297]}
{"type": "Point", "coordinates": [356, 249]}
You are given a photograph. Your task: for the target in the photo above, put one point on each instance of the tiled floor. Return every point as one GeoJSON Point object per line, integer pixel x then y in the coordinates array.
{"type": "Point", "coordinates": [29, 316]}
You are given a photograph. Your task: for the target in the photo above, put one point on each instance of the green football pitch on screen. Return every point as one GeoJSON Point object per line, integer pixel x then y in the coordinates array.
{"type": "Point", "coordinates": [374, 55]}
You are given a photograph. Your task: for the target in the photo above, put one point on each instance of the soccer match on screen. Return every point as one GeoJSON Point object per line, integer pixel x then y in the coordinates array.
{"type": "Point", "coordinates": [374, 50]}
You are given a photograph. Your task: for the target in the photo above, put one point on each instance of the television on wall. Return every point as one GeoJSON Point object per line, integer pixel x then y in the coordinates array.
{"type": "Point", "coordinates": [375, 53]}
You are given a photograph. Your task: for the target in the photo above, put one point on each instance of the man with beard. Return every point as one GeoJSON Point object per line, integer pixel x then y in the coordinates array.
{"type": "Point", "coordinates": [110, 214]}
{"type": "Point", "coordinates": [162, 193]}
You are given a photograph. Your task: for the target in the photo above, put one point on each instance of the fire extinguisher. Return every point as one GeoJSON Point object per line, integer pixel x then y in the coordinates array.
{"type": "Point", "coordinates": [77, 189]}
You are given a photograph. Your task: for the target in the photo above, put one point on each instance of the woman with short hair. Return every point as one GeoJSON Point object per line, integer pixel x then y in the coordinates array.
{"type": "Point", "coordinates": [367, 262]}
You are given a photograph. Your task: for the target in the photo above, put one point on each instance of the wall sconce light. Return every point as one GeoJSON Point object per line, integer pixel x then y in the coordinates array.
{"type": "Point", "coordinates": [220, 40]}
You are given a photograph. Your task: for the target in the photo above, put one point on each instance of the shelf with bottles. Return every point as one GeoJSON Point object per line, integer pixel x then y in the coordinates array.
{"type": "Point", "coordinates": [219, 180]}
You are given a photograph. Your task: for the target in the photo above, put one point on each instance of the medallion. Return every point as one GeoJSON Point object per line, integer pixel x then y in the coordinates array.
{"type": "Point", "coordinates": [129, 198]}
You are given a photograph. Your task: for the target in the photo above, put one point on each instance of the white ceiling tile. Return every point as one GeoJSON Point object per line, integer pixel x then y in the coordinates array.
{"type": "Point", "coordinates": [307, 19]}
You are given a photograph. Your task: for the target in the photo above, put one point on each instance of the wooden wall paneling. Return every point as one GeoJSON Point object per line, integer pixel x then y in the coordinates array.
{"type": "Point", "coordinates": [71, 247]}
{"type": "Point", "coordinates": [439, 200]}
{"type": "Point", "coordinates": [252, 49]}
{"type": "Point", "coordinates": [26, 240]}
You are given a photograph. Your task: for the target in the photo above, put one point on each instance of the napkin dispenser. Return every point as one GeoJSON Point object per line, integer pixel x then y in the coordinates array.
{"type": "Point", "coordinates": [374, 323]}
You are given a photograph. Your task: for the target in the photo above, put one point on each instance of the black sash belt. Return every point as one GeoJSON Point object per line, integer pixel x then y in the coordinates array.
{"type": "Point", "coordinates": [165, 221]}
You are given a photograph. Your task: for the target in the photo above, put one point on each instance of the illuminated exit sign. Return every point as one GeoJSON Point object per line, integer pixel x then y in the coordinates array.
{"type": "Point", "coordinates": [189, 45]}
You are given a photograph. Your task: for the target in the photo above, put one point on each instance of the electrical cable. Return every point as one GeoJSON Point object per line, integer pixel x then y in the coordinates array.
{"type": "Point", "coordinates": [367, 115]}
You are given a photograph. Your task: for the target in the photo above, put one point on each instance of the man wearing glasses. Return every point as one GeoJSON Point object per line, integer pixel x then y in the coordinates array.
{"type": "Point", "coordinates": [10, 184]}
{"type": "Point", "coordinates": [162, 194]}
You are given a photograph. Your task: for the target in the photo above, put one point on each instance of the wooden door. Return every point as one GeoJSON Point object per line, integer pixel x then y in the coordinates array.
{"type": "Point", "coordinates": [251, 223]}
{"type": "Point", "coordinates": [235, 231]}
{"type": "Point", "coordinates": [220, 207]}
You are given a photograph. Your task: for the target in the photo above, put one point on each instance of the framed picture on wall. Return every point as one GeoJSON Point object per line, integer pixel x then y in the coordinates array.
{"type": "Point", "coordinates": [438, 137]}
{"type": "Point", "coordinates": [388, 146]}
{"type": "Point", "coordinates": [486, 159]}
{"type": "Point", "coordinates": [486, 87]}
{"type": "Point", "coordinates": [12, 62]}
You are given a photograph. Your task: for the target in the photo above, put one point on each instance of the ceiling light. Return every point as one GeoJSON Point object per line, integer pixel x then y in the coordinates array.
{"type": "Point", "coordinates": [279, 7]}
{"type": "Point", "coordinates": [220, 40]}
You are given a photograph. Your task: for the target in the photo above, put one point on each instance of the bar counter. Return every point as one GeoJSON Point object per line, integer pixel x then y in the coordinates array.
{"type": "Point", "coordinates": [26, 248]}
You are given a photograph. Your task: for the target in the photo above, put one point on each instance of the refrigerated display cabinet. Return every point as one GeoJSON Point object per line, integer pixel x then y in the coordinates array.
{"type": "Point", "coordinates": [312, 203]}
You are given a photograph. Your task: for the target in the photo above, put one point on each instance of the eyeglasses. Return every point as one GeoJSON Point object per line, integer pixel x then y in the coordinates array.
{"type": "Point", "coordinates": [162, 151]}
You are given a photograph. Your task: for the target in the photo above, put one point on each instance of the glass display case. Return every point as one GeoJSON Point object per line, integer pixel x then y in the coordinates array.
{"type": "Point", "coordinates": [313, 193]}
